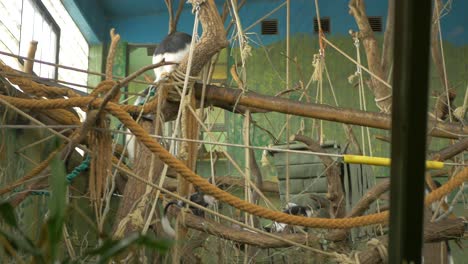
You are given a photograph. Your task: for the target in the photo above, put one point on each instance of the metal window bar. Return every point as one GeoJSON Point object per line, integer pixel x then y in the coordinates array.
{"type": "Point", "coordinates": [409, 126]}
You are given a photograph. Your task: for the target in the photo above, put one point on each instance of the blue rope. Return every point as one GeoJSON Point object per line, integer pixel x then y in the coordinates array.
{"type": "Point", "coordinates": [78, 169]}
{"type": "Point", "coordinates": [151, 92]}
{"type": "Point", "coordinates": [72, 175]}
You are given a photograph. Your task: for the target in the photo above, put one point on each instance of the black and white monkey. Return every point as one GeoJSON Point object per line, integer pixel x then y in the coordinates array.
{"type": "Point", "coordinates": [173, 48]}
{"type": "Point", "coordinates": [437, 207]}
{"type": "Point", "coordinates": [292, 209]}
{"type": "Point", "coordinates": [198, 198]}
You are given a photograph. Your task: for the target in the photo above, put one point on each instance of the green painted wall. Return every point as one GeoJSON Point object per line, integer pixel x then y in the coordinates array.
{"type": "Point", "coordinates": [138, 57]}
{"type": "Point", "coordinates": [16, 161]}
{"type": "Point", "coordinates": [266, 74]}
{"type": "Point", "coordinates": [95, 64]}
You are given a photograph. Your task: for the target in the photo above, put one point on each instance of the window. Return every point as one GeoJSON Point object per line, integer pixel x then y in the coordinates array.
{"type": "Point", "coordinates": [324, 23]}
{"type": "Point", "coordinates": [10, 24]}
{"type": "Point", "coordinates": [74, 49]}
{"type": "Point", "coordinates": [48, 22]}
{"type": "Point", "coordinates": [37, 24]}
{"type": "Point", "coordinates": [139, 55]}
{"type": "Point", "coordinates": [375, 23]}
{"type": "Point", "coordinates": [270, 27]}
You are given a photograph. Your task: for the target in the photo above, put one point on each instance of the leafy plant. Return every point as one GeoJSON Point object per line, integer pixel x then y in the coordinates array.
{"type": "Point", "coordinates": [47, 249]}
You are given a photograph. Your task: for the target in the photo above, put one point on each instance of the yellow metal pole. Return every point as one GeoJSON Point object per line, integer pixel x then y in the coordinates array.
{"type": "Point", "coordinates": [379, 161]}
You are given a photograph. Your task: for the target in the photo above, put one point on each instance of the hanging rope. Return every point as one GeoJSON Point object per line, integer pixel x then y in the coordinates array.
{"type": "Point", "coordinates": [363, 106]}
{"type": "Point", "coordinates": [321, 35]}
{"type": "Point", "coordinates": [188, 82]}
{"type": "Point", "coordinates": [446, 84]}
{"type": "Point", "coordinates": [362, 97]}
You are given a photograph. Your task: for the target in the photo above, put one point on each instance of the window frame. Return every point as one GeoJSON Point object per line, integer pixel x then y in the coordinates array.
{"type": "Point", "coordinates": [41, 8]}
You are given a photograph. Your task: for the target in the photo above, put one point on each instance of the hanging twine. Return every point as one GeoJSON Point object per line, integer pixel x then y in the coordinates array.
{"type": "Point", "coordinates": [264, 160]}
{"type": "Point", "coordinates": [177, 81]}
{"type": "Point", "coordinates": [100, 141]}
{"type": "Point", "coordinates": [318, 64]}
{"type": "Point", "coordinates": [246, 50]}
{"type": "Point", "coordinates": [183, 151]}
{"type": "Point", "coordinates": [381, 248]}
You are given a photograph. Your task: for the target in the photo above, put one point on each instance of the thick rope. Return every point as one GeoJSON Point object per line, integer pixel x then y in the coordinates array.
{"type": "Point", "coordinates": [381, 248]}
{"type": "Point", "coordinates": [37, 89]}
{"type": "Point", "coordinates": [219, 194]}
{"type": "Point", "coordinates": [62, 116]}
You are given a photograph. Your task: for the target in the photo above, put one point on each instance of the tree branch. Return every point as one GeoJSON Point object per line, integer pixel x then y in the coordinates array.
{"type": "Point", "coordinates": [366, 35]}
{"type": "Point", "coordinates": [363, 204]}
{"type": "Point", "coordinates": [335, 186]}
{"type": "Point", "coordinates": [435, 42]}
{"type": "Point", "coordinates": [387, 49]}
{"type": "Point", "coordinates": [452, 150]}
{"type": "Point", "coordinates": [243, 236]}
{"type": "Point", "coordinates": [447, 229]}
{"type": "Point", "coordinates": [212, 40]}
{"type": "Point", "coordinates": [178, 13]}
{"type": "Point", "coordinates": [170, 10]}
{"type": "Point", "coordinates": [226, 98]}
{"type": "Point", "coordinates": [433, 232]}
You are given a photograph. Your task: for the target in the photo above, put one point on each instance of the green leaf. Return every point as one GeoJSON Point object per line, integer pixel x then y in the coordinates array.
{"type": "Point", "coordinates": [21, 243]}
{"type": "Point", "coordinates": [111, 248]}
{"type": "Point", "coordinates": [57, 205]}
{"type": "Point", "coordinates": [8, 214]}
{"type": "Point", "coordinates": [162, 245]}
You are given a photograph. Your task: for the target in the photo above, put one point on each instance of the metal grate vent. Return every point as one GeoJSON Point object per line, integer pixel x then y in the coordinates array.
{"type": "Point", "coordinates": [324, 23]}
{"type": "Point", "coordinates": [270, 27]}
{"type": "Point", "coordinates": [375, 23]}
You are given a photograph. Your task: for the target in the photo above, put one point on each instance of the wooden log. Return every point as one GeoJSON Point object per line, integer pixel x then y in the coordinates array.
{"type": "Point", "coordinates": [452, 150]}
{"type": "Point", "coordinates": [362, 205]}
{"type": "Point", "coordinates": [366, 35]}
{"type": "Point", "coordinates": [243, 236]}
{"type": "Point", "coordinates": [226, 98]}
{"type": "Point", "coordinates": [212, 40]}
{"type": "Point", "coordinates": [433, 232]}
{"type": "Point", "coordinates": [135, 189]}
{"type": "Point", "coordinates": [335, 187]}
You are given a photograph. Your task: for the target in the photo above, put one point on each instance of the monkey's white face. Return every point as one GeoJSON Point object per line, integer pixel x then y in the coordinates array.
{"type": "Point", "coordinates": [210, 200]}
{"type": "Point", "coordinates": [176, 57]}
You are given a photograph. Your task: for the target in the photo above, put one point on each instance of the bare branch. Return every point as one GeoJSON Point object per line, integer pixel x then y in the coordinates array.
{"type": "Point", "coordinates": [335, 186]}
{"type": "Point", "coordinates": [170, 10]}
{"type": "Point", "coordinates": [366, 35]}
{"type": "Point", "coordinates": [212, 40]}
{"type": "Point", "coordinates": [387, 49]}
{"type": "Point", "coordinates": [177, 16]}
{"type": "Point", "coordinates": [226, 98]}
